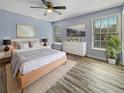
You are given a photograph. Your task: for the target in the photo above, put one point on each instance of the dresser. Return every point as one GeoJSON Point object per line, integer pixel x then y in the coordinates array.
{"type": "Point", "coordinates": [77, 48]}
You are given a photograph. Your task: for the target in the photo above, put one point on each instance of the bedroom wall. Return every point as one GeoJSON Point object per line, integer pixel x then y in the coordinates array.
{"type": "Point", "coordinates": [87, 19]}
{"type": "Point", "coordinates": [8, 21]}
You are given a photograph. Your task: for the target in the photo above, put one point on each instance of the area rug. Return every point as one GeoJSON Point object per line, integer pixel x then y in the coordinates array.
{"type": "Point", "coordinates": [42, 85]}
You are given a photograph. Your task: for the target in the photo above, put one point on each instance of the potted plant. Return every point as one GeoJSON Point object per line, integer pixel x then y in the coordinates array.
{"type": "Point", "coordinates": [113, 48]}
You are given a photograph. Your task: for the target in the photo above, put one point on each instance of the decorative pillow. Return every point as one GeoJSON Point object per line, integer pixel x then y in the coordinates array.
{"type": "Point", "coordinates": [24, 45]}
{"type": "Point", "coordinates": [34, 44]}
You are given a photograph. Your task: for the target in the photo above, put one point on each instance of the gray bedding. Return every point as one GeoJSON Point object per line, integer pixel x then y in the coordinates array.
{"type": "Point", "coordinates": [19, 58]}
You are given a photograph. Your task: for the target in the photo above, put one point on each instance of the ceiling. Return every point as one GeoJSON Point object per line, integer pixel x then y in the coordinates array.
{"type": "Point", "coordinates": [74, 7]}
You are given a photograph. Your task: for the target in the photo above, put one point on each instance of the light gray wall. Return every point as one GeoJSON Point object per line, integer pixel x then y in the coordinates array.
{"type": "Point", "coordinates": [87, 19]}
{"type": "Point", "coordinates": [123, 35]}
{"type": "Point", "coordinates": [8, 21]}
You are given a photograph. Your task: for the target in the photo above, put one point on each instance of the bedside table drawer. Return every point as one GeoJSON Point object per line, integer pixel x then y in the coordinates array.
{"type": "Point", "coordinates": [5, 60]}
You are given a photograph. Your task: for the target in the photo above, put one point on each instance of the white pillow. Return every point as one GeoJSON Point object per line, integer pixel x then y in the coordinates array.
{"type": "Point", "coordinates": [24, 45]}
{"type": "Point", "coordinates": [35, 44]}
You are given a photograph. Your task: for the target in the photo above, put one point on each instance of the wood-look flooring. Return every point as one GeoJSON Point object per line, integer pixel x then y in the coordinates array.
{"type": "Point", "coordinates": [3, 78]}
{"type": "Point", "coordinates": [90, 76]}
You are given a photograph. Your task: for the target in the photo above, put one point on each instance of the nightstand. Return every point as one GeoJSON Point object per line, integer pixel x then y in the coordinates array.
{"type": "Point", "coordinates": [5, 57]}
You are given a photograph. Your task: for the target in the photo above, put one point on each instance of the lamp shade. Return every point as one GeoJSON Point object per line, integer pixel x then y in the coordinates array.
{"type": "Point", "coordinates": [44, 40]}
{"type": "Point", "coordinates": [6, 42]}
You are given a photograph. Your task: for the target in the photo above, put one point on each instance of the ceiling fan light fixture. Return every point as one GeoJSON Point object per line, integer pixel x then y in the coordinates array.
{"type": "Point", "coordinates": [49, 7]}
{"type": "Point", "coordinates": [49, 10]}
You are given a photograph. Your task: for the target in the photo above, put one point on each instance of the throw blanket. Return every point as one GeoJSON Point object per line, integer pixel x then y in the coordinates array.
{"type": "Point", "coordinates": [19, 58]}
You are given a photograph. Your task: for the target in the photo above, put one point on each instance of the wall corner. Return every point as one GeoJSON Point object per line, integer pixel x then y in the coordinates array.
{"type": "Point", "coordinates": [123, 35]}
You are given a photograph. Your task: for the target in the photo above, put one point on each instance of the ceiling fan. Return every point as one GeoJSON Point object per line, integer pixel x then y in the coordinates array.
{"type": "Point", "coordinates": [50, 8]}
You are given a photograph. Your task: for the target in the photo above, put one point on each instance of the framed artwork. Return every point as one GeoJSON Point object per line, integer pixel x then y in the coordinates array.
{"type": "Point", "coordinates": [25, 31]}
{"type": "Point", "coordinates": [76, 31]}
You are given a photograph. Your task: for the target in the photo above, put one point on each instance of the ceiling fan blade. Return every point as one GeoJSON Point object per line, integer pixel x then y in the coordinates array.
{"type": "Point", "coordinates": [45, 13]}
{"type": "Point", "coordinates": [37, 7]}
{"type": "Point", "coordinates": [57, 12]}
{"type": "Point", "coordinates": [44, 2]}
{"type": "Point", "coordinates": [59, 7]}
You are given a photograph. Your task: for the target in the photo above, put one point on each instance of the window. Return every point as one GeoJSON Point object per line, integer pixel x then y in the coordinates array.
{"type": "Point", "coordinates": [102, 27]}
{"type": "Point", "coordinates": [57, 34]}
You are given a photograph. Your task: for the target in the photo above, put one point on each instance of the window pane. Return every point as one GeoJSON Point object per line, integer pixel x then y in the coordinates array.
{"type": "Point", "coordinates": [97, 23]}
{"type": "Point", "coordinates": [113, 20]}
{"type": "Point", "coordinates": [97, 30]}
{"type": "Point", "coordinates": [57, 35]}
{"type": "Point", "coordinates": [112, 29]}
{"type": "Point", "coordinates": [104, 30]}
{"type": "Point", "coordinates": [113, 24]}
{"type": "Point", "coordinates": [103, 37]}
{"type": "Point", "coordinates": [57, 39]}
{"type": "Point", "coordinates": [97, 44]}
{"type": "Point", "coordinates": [97, 36]}
{"type": "Point", "coordinates": [103, 44]}
{"type": "Point", "coordinates": [104, 23]}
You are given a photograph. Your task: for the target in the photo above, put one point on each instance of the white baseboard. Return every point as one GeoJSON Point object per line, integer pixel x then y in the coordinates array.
{"type": "Point", "coordinates": [100, 58]}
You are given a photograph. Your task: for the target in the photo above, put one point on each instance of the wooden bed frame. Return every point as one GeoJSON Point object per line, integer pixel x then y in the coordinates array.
{"type": "Point", "coordinates": [29, 78]}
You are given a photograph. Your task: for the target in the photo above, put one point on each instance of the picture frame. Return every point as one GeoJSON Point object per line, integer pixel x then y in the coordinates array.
{"type": "Point", "coordinates": [76, 30]}
{"type": "Point", "coordinates": [25, 31]}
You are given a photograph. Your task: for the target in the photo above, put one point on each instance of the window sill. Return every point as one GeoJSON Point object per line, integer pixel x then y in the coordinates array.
{"type": "Point", "coordinates": [99, 49]}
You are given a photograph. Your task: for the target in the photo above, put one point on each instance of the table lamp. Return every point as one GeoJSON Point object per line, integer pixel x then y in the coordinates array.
{"type": "Point", "coordinates": [6, 43]}
{"type": "Point", "coordinates": [44, 40]}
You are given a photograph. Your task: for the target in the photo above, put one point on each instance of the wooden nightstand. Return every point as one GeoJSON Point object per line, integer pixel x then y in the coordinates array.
{"type": "Point", "coordinates": [5, 57]}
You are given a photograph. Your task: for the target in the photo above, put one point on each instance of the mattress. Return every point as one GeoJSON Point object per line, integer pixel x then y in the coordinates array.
{"type": "Point", "coordinates": [38, 63]}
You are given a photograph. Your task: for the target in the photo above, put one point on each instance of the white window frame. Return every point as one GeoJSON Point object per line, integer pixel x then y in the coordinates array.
{"type": "Point", "coordinates": [102, 49]}
{"type": "Point", "coordinates": [54, 35]}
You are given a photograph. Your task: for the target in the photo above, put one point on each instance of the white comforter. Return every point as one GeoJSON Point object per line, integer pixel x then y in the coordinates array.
{"type": "Point", "coordinates": [38, 63]}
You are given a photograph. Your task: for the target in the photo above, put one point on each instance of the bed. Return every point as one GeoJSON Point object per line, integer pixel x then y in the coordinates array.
{"type": "Point", "coordinates": [31, 64]}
